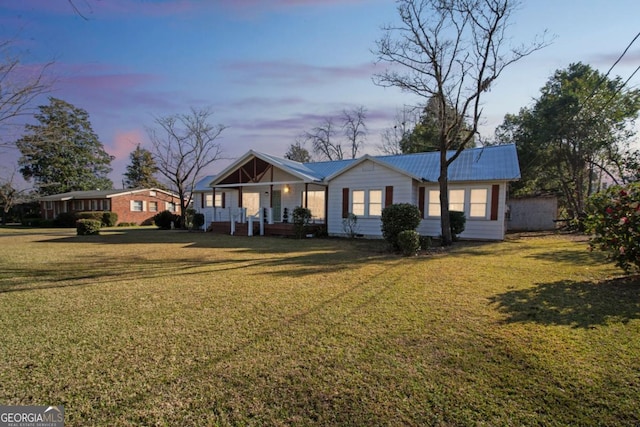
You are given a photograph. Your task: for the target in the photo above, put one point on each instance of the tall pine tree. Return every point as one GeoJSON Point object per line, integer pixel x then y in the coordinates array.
{"type": "Point", "coordinates": [62, 153]}
{"type": "Point", "coordinates": [142, 169]}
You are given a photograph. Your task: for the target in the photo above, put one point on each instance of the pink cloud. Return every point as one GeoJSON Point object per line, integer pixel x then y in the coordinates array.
{"type": "Point", "coordinates": [125, 141]}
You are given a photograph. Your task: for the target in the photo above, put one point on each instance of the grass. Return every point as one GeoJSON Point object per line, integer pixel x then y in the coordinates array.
{"type": "Point", "coordinates": [149, 327]}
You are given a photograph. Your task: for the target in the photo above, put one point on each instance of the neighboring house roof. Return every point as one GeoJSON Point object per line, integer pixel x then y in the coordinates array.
{"type": "Point", "coordinates": [492, 163]}
{"type": "Point", "coordinates": [97, 194]}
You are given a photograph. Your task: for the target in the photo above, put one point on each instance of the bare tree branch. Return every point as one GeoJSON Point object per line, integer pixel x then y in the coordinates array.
{"type": "Point", "coordinates": [354, 127]}
{"type": "Point", "coordinates": [450, 51]}
{"type": "Point", "coordinates": [19, 86]}
{"type": "Point", "coordinates": [183, 145]}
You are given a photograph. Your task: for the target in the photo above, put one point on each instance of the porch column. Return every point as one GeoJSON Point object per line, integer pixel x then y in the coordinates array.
{"type": "Point", "coordinates": [306, 195]}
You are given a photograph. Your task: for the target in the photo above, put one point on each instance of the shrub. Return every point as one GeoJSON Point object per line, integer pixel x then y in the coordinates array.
{"type": "Point", "coordinates": [409, 242]}
{"type": "Point", "coordinates": [109, 219]}
{"type": "Point", "coordinates": [198, 221]}
{"type": "Point", "coordinates": [164, 219]}
{"type": "Point", "coordinates": [301, 217]}
{"type": "Point", "coordinates": [350, 225]}
{"type": "Point", "coordinates": [88, 227]}
{"type": "Point", "coordinates": [89, 215]}
{"type": "Point", "coordinates": [614, 220]}
{"type": "Point", "coordinates": [397, 218]}
{"type": "Point", "coordinates": [425, 242]}
{"type": "Point", "coordinates": [457, 221]}
{"type": "Point", "coordinates": [37, 222]}
{"type": "Point", "coordinates": [65, 219]}
{"type": "Point", "coordinates": [127, 224]}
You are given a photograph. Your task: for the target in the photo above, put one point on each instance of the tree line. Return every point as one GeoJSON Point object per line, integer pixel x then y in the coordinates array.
{"type": "Point", "coordinates": [575, 138]}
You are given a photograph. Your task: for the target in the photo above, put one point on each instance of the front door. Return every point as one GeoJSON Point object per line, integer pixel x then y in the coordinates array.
{"type": "Point", "coordinates": [276, 205]}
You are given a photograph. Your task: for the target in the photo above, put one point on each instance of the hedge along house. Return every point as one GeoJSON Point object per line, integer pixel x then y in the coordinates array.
{"type": "Point", "coordinates": [134, 206]}
{"type": "Point", "coordinates": [264, 189]}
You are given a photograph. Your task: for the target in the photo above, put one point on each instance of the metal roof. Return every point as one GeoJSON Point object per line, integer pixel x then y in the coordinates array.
{"type": "Point", "coordinates": [492, 163]}
{"type": "Point", "coordinates": [203, 184]}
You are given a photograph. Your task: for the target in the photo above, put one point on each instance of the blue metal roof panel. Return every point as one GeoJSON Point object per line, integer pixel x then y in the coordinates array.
{"type": "Point", "coordinates": [203, 184]}
{"type": "Point", "coordinates": [499, 162]}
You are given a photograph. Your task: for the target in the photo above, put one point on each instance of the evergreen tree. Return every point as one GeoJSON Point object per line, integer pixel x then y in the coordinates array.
{"type": "Point", "coordinates": [142, 169]}
{"type": "Point", "coordinates": [62, 153]}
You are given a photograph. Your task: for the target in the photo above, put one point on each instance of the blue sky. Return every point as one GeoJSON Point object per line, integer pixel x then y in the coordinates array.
{"type": "Point", "coordinates": [271, 69]}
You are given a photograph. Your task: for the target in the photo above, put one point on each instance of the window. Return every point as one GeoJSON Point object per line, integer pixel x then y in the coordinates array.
{"type": "Point", "coordinates": [49, 205]}
{"type": "Point", "coordinates": [357, 202]}
{"type": "Point", "coordinates": [366, 202]}
{"type": "Point", "coordinates": [153, 206]}
{"type": "Point", "coordinates": [94, 205]}
{"type": "Point", "coordinates": [315, 203]}
{"type": "Point", "coordinates": [251, 201]}
{"type": "Point", "coordinates": [218, 200]}
{"type": "Point", "coordinates": [478, 203]}
{"type": "Point", "coordinates": [136, 205]}
{"type": "Point", "coordinates": [208, 200]}
{"type": "Point", "coordinates": [152, 193]}
{"type": "Point", "coordinates": [107, 205]}
{"type": "Point", "coordinates": [375, 202]}
{"type": "Point", "coordinates": [456, 200]}
{"type": "Point", "coordinates": [434, 203]}
{"type": "Point", "coordinates": [171, 206]}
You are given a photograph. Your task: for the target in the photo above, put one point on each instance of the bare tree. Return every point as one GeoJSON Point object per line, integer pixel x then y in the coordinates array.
{"type": "Point", "coordinates": [354, 127]}
{"type": "Point", "coordinates": [19, 86]}
{"type": "Point", "coordinates": [183, 145]}
{"type": "Point", "coordinates": [322, 139]}
{"type": "Point", "coordinates": [451, 51]}
{"type": "Point", "coordinates": [394, 136]}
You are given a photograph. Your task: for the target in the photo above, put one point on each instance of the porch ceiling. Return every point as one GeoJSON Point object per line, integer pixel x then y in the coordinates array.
{"type": "Point", "coordinates": [250, 172]}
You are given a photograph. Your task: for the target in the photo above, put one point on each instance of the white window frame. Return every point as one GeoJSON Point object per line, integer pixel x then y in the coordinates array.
{"type": "Point", "coordinates": [208, 200]}
{"type": "Point", "coordinates": [217, 203]}
{"type": "Point", "coordinates": [363, 209]}
{"type": "Point", "coordinates": [473, 204]}
{"type": "Point", "coordinates": [137, 206]}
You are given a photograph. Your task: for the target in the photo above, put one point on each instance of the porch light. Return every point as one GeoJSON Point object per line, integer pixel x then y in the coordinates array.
{"type": "Point", "coordinates": [286, 188]}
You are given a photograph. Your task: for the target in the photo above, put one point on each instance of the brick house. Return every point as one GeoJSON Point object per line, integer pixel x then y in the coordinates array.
{"type": "Point", "coordinates": [136, 206]}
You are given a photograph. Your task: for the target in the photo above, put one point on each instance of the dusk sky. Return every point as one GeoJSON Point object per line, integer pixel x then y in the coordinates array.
{"type": "Point", "coordinates": [271, 69]}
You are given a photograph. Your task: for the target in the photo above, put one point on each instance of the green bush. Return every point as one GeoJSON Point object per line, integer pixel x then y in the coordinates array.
{"type": "Point", "coordinates": [614, 221]}
{"type": "Point", "coordinates": [37, 222]}
{"type": "Point", "coordinates": [95, 215]}
{"type": "Point", "coordinates": [127, 224]}
{"type": "Point", "coordinates": [164, 219]}
{"type": "Point", "coordinates": [409, 242]}
{"type": "Point", "coordinates": [65, 220]}
{"type": "Point", "coordinates": [457, 222]}
{"type": "Point", "coordinates": [397, 218]}
{"type": "Point", "coordinates": [425, 242]}
{"type": "Point", "coordinates": [109, 219]}
{"type": "Point", "coordinates": [301, 217]}
{"type": "Point", "coordinates": [198, 221]}
{"type": "Point", "coordinates": [88, 227]}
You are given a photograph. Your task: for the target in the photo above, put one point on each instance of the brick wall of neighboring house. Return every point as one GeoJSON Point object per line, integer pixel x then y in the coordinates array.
{"type": "Point", "coordinates": [122, 205]}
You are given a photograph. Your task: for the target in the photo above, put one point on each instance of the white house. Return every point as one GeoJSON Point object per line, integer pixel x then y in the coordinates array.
{"type": "Point", "coordinates": [260, 186]}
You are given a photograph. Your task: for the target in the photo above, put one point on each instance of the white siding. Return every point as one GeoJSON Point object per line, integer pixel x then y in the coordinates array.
{"type": "Point", "coordinates": [366, 176]}
{"type": "Point", "coordinates": [476, 229]}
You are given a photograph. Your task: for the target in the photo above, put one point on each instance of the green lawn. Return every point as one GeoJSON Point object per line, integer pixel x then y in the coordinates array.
{"type": "Point", "coordinates": [149, 327]}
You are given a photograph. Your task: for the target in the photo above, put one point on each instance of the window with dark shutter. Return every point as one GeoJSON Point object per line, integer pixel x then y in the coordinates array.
{"type": "Point", "coordinates": [388, 195]}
